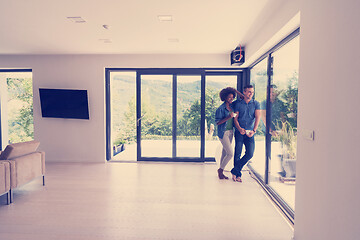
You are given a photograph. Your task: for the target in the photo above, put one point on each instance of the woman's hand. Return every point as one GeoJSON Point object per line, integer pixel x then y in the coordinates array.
{"type": "Point", "coordinates": [238, 93]}
{"type": "Point", "coordinates": [242, 131]}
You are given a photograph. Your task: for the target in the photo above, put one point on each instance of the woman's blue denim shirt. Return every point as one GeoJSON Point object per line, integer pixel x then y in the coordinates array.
{"type": "Point", "coordinates": [221, 113]}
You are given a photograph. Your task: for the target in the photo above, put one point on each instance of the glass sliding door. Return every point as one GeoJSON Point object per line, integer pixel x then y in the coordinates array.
{"type": "Point", "coordinates": [188, 106]}
{"type": "Point", "coordinates": [123, 115]}
{"type": "Point", "coordinates": [276, 88]}
{"type": "Point", "coordinates": [156, 118]}
{"type": "Point", "coordinates": [283, 99]}
{"type": "Point", "coordinates": [164, 114]}
{"type": "Point", "coordinates": [16, 91]}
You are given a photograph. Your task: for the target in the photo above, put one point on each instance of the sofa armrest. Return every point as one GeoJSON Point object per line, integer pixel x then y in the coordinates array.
{"type": "Point", "coordinates": [42, 162]}
{"type": "Point", "coordinates": [12, 171]}
{"type": "Point", "coordinates": [5, 177]}
{"type": "Point", "coordinates": [25, 168]}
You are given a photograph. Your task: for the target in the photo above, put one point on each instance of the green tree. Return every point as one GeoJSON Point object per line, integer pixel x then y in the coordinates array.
{"type": "Point", "coordinates": [160, 124]}
{"type": "Point", "coordinates": [189, 124]}
{"type": "Point", "coordinates": [152, 123]}
{"type": "Point", "coordinates": [290, 97]}
{"type": "Point", "coordinates": [260, 85]}
{"type": "Point", "coordinates": [20, 103]}
{"type": "Point", "coordinates": [126, 129]}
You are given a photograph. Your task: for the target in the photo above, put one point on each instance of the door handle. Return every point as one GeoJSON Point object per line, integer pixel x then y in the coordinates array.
{"type": "Point", "coordinates": [138, 120]}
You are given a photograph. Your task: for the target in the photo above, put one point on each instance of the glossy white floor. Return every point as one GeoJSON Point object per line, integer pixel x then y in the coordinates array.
{"type": "Point", "coordinates": [140, 201]}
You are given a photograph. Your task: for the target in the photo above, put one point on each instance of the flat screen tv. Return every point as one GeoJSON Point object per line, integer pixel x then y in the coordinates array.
{"type": "Point", "coordinates": [64, 103]}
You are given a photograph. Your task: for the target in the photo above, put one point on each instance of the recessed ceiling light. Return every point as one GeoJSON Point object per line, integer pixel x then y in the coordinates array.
{"type": "Point", "coordinates": [165, 18]}
{"type": "Point", "coordinates": [76, 19]}
{"type": "Point", "coordinates": [173, 40]}
{"type": "Point", "coordinates": [105, 40]}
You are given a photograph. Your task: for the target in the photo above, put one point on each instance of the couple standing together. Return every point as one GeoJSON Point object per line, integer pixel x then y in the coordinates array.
{"type": "Point", "coordinates": [243, 115]}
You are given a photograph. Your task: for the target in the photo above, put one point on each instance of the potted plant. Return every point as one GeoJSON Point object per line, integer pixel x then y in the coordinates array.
{"type": "Point", "coordinates": [119, 146]}
{"type": "Point", "coordinates": [287, 129]}
{"type": "Point", "coordinates": [287, 135]}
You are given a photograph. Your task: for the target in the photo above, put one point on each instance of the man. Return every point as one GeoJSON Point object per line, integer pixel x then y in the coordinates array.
{"type": "Point", "coordinates": [278, 110]}
{"type": "Point", "coordinates": [246, 123]}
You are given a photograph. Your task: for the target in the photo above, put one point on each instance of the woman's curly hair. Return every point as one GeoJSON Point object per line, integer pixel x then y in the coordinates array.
{"type": "Point", "coordinates": [225, 92]}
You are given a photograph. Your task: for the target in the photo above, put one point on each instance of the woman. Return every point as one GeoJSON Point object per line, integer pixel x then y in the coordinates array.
{"type": "Point", "coordinates": [224, 118]}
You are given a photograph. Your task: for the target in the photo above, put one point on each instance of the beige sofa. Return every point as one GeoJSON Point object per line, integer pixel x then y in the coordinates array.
{"type": "Point", "coordinates": [5, 180]}
{"type": "Point", "coordinates": [25, 163]}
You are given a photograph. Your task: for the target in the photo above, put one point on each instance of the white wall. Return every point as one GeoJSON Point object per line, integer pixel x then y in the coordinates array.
{"type": "Point", "coordinates": [70, 140]}
{"type": "Point", "coordinates": [327, 192]}
{"type": "Point", "coordinates": [278, 19]}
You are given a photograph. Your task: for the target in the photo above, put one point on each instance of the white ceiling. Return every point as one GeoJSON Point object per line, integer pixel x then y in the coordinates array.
{"type": "Point", "coordinates": [201, 26]}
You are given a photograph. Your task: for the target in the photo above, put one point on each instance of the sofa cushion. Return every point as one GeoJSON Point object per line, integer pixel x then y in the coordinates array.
{"type": "Point", "coordinates": [19, 149]}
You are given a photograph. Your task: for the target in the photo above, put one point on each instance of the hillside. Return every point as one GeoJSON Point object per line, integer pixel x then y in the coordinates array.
{"type": "Point", "coordinates": [158, 92]}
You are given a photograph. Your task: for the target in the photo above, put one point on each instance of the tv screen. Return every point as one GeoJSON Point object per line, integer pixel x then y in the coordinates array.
{"type": "Point", "coordinates": [64, 103]}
